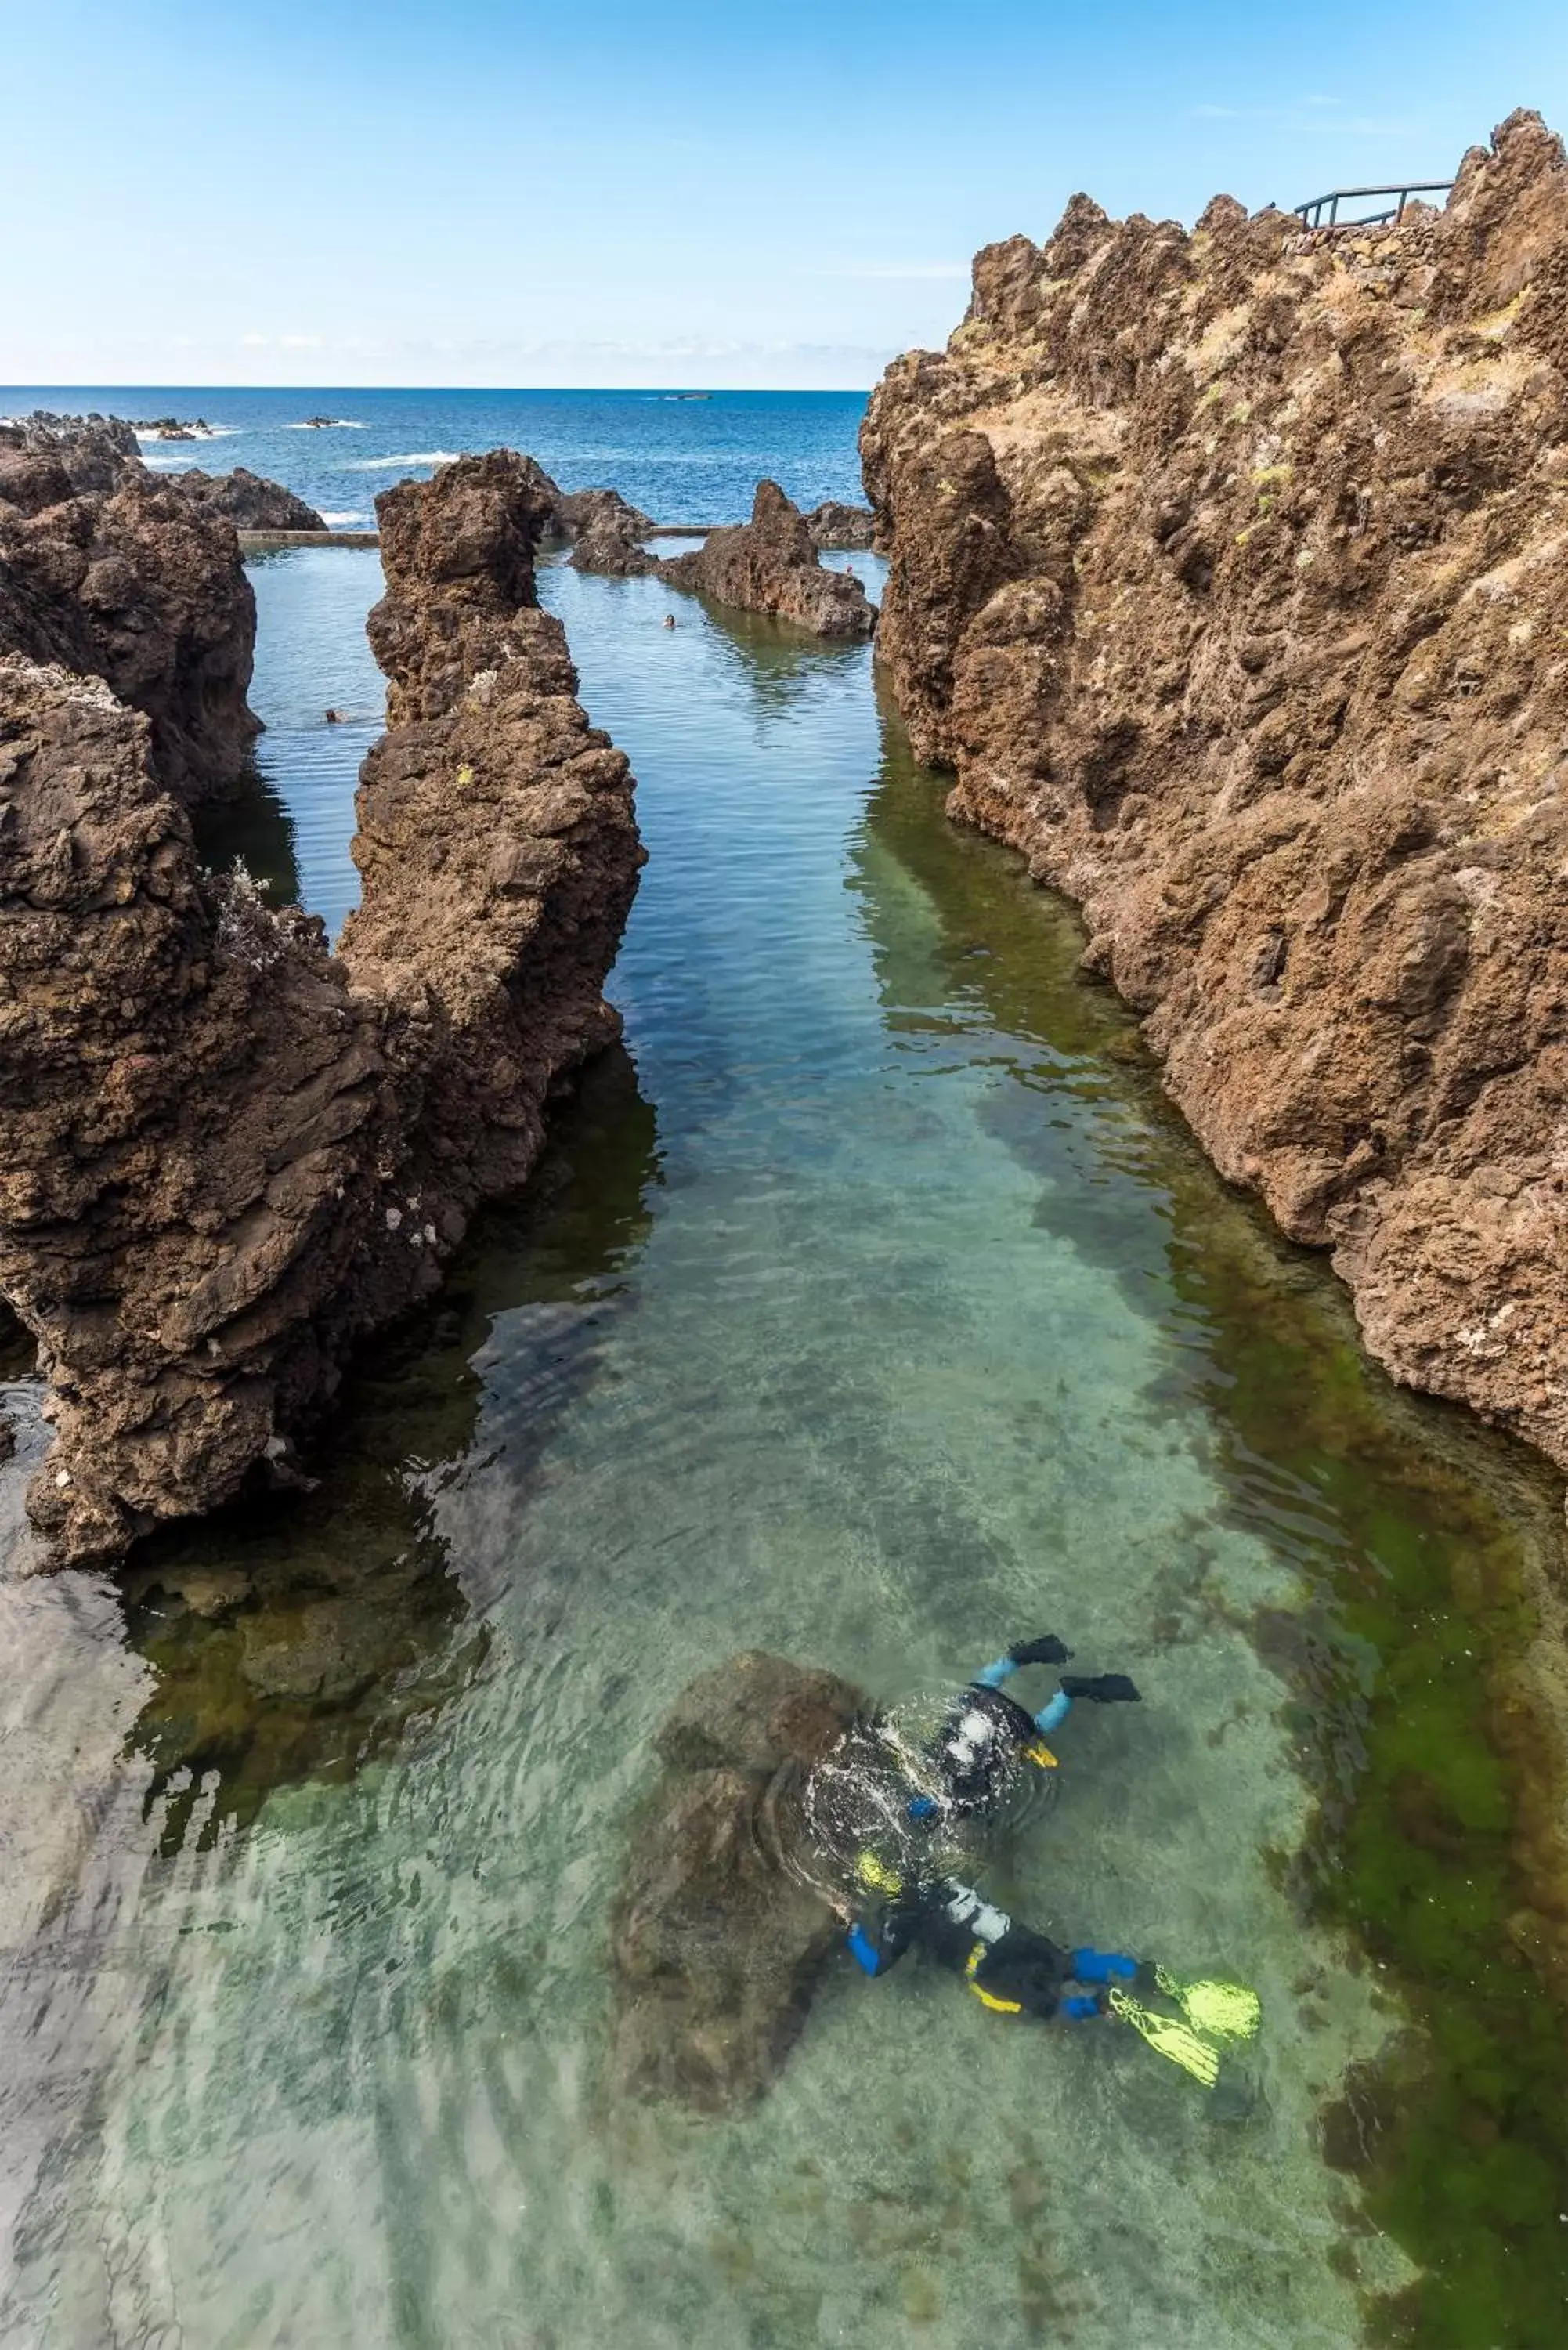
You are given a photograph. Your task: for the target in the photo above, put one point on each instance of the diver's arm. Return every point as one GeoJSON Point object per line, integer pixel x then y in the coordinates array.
{"type": "Point", "coordinates": [879, 1945]}
{"type": "Point", "coordinates": [1046, 1650]}
{"type": "Point", "coordinates": [1104, 1689]}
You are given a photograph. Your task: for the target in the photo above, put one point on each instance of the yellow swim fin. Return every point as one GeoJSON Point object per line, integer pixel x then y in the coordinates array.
{"type": "Point", "coordinates": [1168, 2037]}
{"type": "Point", "coordinates": [1224, 2011]}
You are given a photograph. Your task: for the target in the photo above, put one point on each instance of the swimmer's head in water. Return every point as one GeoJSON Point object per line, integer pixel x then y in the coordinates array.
{"type": "Point", "coordinates": [913, 1785]}
{"type": "Point", "coordinates": [982, 1748]}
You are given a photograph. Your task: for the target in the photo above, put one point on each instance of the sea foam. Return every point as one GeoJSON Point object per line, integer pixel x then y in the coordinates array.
{"type": "Point", "coordinates": [418, 457]}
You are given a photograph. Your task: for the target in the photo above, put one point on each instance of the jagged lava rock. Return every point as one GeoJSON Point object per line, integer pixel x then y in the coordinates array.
{"type": "Point", "coordinates": [609, 534]}
{"type": "Point", "coordinates": [1229, 571]}
{"type": "Point", "coordinates": [604, 531]}
{"type": "Point", "coordinates": [769, 565]}
{"type": "Point", "coordinates": [227, 1153]}
{"type": "Point", "coordinates": [184, 1074]}
{"type": "Point", "coordinates": [496, 835]}
{"type": "Point", "coordinates": [247, 500]}
{"type": "Point", "coordinates": [835, 525]}
{"type": "Point", "coordinates": [133, 584]}
{"type": "Point", "coordinates": [719, 1936]}
{"type": "Point", "coordinates": [94, 451]}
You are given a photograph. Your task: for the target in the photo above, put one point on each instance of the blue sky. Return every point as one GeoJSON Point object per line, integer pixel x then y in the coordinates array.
{"type": "Point", "coordinates": [493, 193]}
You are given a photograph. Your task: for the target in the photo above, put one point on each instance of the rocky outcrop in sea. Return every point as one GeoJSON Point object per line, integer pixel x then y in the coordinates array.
{"type": "Point", "coordinates": [832, 524]}
{"type": "Point", "coordinates": [247, 500]}
{"type": "Point", "coordinates": [110, 571]}
{"type": "Point", "coordinates": [770, 565]}
{"type": "Point", "coordinates": [1227, 572]}
{"type": "Point", "coordinates": [606, 533]}
{"type": "Point", "coordinates": [228, 1153]}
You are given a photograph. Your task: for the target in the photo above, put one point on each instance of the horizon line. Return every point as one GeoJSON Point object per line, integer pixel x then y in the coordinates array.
{"type": "Point", "coordinates": [762, 390]}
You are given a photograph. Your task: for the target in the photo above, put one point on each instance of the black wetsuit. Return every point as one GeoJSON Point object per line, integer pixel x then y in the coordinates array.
{"type": "Point", "coordinates": [984, 1737]}
{"type": "Point", "coordinates": [1008, 1967]}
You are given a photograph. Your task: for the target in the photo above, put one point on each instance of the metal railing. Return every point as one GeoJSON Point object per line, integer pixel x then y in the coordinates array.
{"type": "Point", "coordinates": [1337, 196]}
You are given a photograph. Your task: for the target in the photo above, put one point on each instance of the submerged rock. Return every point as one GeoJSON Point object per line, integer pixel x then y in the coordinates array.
{"type": "Point", "coordinates": [230, 1153]}
{"type": "Point", "coordinates": [770, 565]}
{"type": "Point", "coordinates": [719, 1936]}
{"type": "Point", "coordinates": [1227, 571]}
{"type": "Point", "coordinates": [128, 579]}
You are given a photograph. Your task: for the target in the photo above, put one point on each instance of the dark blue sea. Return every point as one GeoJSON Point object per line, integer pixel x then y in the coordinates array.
{"type": "Point", "coordinates": [678, 455]}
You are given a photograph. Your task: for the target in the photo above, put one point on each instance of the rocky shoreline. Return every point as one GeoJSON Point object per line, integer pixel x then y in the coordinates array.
{"type": "Point", "coordinates": [233, 1153]}
{"type": "Point", "coordinates": [1227, 572]}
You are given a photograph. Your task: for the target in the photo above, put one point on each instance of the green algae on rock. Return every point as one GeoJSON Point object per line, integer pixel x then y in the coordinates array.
{"type": "Point", "coordinates": [1420, 1671]}
{"type": "Point", "coordinates": [1227, 569]}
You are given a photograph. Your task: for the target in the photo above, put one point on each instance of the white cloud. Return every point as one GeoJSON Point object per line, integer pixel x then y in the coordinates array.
{"type": "Point", "coordinates": [1294, 118]}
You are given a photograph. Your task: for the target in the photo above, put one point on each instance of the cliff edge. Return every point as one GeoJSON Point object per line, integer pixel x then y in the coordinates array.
{"type": "Point", "coordinates": [1229, 572]}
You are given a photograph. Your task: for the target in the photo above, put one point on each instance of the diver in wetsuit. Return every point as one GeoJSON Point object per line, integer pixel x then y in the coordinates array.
{"type": "Point", "coordinates": [1010, 1968]}
{"type": "Point", "coordinates": [983, 1739]}
{"type": "Point", "coordinates": [987, 1734]}
{"type": "Point", "coordinates": [964, 1774]}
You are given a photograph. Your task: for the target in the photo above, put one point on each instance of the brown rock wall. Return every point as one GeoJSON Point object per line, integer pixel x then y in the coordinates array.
{"type": "Point", "coordinates": [1229, 571]}
{"type": "Point", "coordinates": [136, 584]}
{"type": "Point", "coordinates": [227, 1152]}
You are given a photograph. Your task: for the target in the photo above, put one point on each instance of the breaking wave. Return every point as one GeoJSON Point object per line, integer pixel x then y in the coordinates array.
{"type": "Point", "coordinates": [418, 457]}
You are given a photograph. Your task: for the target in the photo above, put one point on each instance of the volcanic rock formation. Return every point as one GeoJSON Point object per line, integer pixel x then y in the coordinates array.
{"type": "Point", "coordinates": [111, 572]}
{"type": "Point", "coordinates": [769, 565]}
{"type": "Point", "coordinates": [834, 525]}
{"type": "Point", "coordinates": [719, 1936]}
{"type": "Point", "coordinates": [607, 533]}
{"type": "Point", "coordinates": [1229, 572]}
{"type": "Point", "coordinates": [247, 500]}
{"type": "Point", "coordinates": [93, 450]}
{"type": "Point", "coordinates": [227, 1152]}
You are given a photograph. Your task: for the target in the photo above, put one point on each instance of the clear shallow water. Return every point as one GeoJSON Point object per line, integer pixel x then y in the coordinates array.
{"type": "Point", "coordinates": [680, 459]}
{"type": "Point", "coordinates": [872, 1308]}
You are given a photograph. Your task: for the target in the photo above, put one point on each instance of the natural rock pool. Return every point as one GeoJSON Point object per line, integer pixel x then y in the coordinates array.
{"type": "Point", "coordinates": [871, 1308]}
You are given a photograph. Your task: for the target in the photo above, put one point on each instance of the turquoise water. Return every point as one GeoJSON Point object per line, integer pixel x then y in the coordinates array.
{"type": "Point", "coordinates": [869, 1307]}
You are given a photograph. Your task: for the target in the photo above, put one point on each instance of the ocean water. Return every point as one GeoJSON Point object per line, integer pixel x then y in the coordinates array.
{"type": "Point", "coordinates": [680, 457]}
{"type": "Point", "coordinates": [870, 1306]}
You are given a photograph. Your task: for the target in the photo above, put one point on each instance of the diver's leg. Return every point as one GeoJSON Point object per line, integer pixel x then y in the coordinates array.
{"type": "Point", "coordinates": [1023, 1973]}
{"type": "Point", "coordinates": [1102, 1967]}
